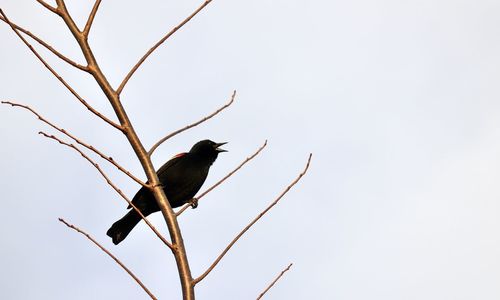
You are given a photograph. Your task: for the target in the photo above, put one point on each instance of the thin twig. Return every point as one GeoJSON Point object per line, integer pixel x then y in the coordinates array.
{"type": "Point", "coordinates": [86, 30]}
{"type": "Point", "coordinates": [202, 276]}
{"type": "Point", "coordinates": [191, 125]}
{"type": "Point", "coordinates": [223, 179]}
{"type": "Point", "coordinates": [274, 281]}
{"type": "Point", "coordinates": [47, 6]}
{"type": "Point", "coordinates": [145, 56]}
{"type": "Point", "coordinates": [47, 46]}
{"type": "Point", "coordinates": [139, 282]}
{"type": "Point", "coordinates": [97, 113]}
{"type": "Point", "coordinates": [119, 191]}
{"type": "Point", "coordinates": [90, 147]}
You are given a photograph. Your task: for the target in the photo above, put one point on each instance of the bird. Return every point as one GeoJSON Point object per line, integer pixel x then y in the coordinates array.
{"type": "Point", "coordinates": [181, 178]}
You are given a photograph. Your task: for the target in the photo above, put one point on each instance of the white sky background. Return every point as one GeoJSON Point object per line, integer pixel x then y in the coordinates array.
{"type": "Point", "coordinates": [397, 100]}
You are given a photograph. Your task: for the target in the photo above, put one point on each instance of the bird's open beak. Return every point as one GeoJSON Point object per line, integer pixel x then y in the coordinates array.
{"type": "Point", "coordinates": [217, 145]}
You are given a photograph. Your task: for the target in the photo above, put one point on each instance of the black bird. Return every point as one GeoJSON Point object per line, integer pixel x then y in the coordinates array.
{"type": "Point", "coordinates": [181, 178]}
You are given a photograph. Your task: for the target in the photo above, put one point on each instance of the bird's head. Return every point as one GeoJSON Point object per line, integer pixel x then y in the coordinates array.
{"type": "Point", "coordinates": [207, 149]}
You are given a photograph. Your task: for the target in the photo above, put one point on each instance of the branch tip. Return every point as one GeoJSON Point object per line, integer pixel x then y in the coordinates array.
{"type": "Point", "coordinates": [274, 281]}
{"type": "Point", "coordinates": [260, 215]}
{"type": "Point", "coordinates": [161, 41]}
{"type": "Point", "coordinates": [77, 140]}
{"type": "Point", "coordinates": [121, 264]}
{"type": "Point", "coordinates": [162, 140]}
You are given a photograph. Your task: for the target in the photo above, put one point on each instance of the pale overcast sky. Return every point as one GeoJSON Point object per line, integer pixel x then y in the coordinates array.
{"type": "Point", "coordinates": [397, 100]}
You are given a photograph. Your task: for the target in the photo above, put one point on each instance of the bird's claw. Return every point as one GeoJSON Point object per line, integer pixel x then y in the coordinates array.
{"type": "Point", "coordinates": [193, 202]}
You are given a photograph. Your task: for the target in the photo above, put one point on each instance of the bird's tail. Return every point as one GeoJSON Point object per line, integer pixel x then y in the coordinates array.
{"type": "Point", "coordinates": [121, 228]}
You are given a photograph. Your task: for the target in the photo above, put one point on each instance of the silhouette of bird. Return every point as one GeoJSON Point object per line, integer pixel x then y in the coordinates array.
{"type": "Point", "coordinates": [181, 178]}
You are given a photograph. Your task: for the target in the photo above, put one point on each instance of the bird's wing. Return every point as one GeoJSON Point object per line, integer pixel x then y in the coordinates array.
{"type": "Point", "coordinates": [173, 161]}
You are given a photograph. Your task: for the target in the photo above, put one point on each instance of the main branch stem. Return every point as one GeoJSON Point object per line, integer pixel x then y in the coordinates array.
{"type": "Point", "coordinates": [179, 250]}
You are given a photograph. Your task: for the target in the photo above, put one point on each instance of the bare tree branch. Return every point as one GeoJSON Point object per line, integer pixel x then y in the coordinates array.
{"type": "Point", "coordinates": [178, 248]}
{"type": "Point", "coordinates": [119, 191]}
{"type": "Point", "coordinates": [47, 46]}
{"type": "Point", "coordinates": [195, 200]}
{"type": "Point", "coordinates": [97, 113]}
{"type": "Point", "coordinates": [162, 140]}
{"type": "Point", "coordinates": [79, 141]}
{"type": "Point", "coordinates": [274, 281]}
{"type": "Point", "coordinates": [139, 282]}
{"type": "Point", "coordinates": [177, 245]}
{"type": "Point", "coordinates": [86, 30]}
{"type": "Point", "coordinates": [47, 6]}
{"type": "Point", "coordinates": [202, 276]}
{"type": "Point", "coordinates": [145, 56]}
